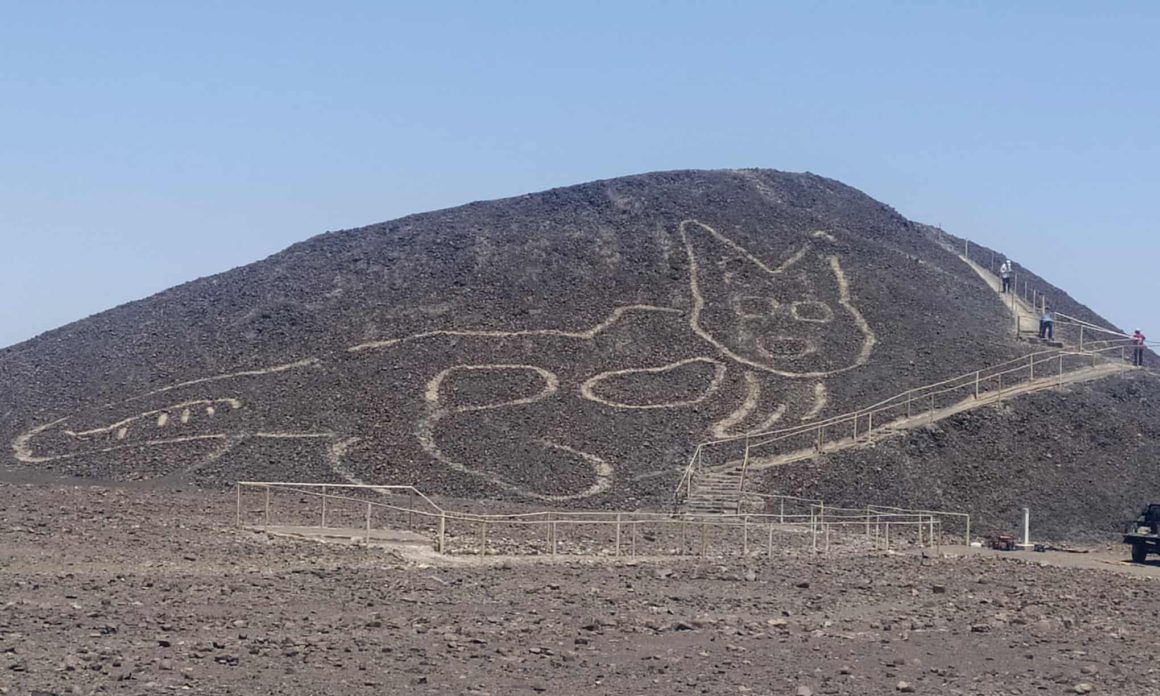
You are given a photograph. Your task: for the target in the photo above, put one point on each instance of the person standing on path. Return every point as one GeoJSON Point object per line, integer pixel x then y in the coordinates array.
{"type": "Point", "coordinates": [1005, 274]}
{"type": "Point", "coordinates": [1138, 340]}
{"type": "Point", "coordinates": [1047, 325]}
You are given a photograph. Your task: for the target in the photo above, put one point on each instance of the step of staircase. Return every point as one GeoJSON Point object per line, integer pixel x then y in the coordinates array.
{"type": "Point", "coordinates": [715, 492]}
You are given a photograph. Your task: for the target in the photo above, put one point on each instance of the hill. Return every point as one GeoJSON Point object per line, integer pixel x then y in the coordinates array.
{"type": "Point", "coordinates": [572, 345]}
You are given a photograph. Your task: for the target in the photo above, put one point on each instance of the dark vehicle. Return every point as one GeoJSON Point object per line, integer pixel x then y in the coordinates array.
{"type": "Point", "coordinates": [1144, 533]}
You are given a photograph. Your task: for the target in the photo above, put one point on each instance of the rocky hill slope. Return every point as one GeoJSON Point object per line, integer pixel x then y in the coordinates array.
{"type": "Point", "coordinates": [572, 345]}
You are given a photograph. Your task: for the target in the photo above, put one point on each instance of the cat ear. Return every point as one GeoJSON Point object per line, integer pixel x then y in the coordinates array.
{"type": "Point", "coordinates": [713, 256]}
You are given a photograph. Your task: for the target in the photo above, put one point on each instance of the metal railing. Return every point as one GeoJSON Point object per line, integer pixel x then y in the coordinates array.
{"type": "Point", "coordinates": [1018, 375]}
{"type": "Point", "coordinates": [344, 508]}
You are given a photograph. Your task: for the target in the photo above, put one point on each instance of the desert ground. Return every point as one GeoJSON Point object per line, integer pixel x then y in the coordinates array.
{"type": "Point", "coordinates": [127, 591]}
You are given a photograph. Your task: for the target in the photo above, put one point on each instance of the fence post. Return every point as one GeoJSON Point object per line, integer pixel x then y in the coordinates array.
{"type": "Point", "coordinates": [976, 385]}
{"type": "Point", "coordinates": [634, 526]}
{"type": "Point", "coordinates": [887, 536]}
{"type": "Point", "coordinates": [238, 486]}
{"type": "Point", "coordinates": [368, 541]}
{"type": "Point", "coordinates": [813, 530]}
{"type": "Point", "coordinates": [909, 396]}
{"type": "Point", "coordinates": [855, 426]}
{"type": "Point", "coordinates": [267, 524]}
{"type": "Point", "coordinates": [933, 542]}
{"type": "Point", "coordinates": [1031, 364]}
{"type": "Point", "coordinates": [769, 541]}
{"type": "Point", "coordinates": [442, 532]}
{"type": "Point", "coordinates": [1061, 369]}
{"type": "Point", "coordinates": [744, 469]}
{"type": "Point", "coordinates": [745, 536]}
{"type": "Point", "coordinates": [483, 538]}
{"type": "Point", "coordinates": [781, 511]}
{"type": "Point", "coordinates": [870, 427]}
{"type": "Point", "coordinates": [551, 534]}
{"type": "Point", "coordinates": [618, 535]}
{"type": "Point", "coordinates": [555, 538]}
{"type": "Point", "coordinates": [867, 521]}
{"type": "Point", "coordinates": [324, 507]}
{"type": "Point", "coordinates": [704, 537]}
{"type": "Point", "coordinates": [932, 408]}
{"type": "Point", "coordinates": [411, 509]}
{"type": "Point", "coordinates": [1081, 336]}
{"type": "Point", "coordinates": [968, 531]}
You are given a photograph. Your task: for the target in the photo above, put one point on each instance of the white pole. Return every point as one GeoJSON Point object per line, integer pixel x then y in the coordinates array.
{"type": "Point", "coordinates": [1027, 527]}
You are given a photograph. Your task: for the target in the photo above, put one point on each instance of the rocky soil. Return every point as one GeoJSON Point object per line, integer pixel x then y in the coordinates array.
{"type": "Point", "coordinates": [115, 591]}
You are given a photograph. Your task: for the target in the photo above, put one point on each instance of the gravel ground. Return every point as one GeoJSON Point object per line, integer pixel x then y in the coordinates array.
{"type": "Point", "coordinates": [113, 590]}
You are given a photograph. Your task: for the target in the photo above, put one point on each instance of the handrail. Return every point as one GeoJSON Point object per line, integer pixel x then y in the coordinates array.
{"type": "Point", "coordinates": [818, 523]}
{"type": "Point", "coordinates": [369, 486]}
{"type": "Point", "coordinates": [1017, 362]}
{"type": "Point", "coordinates": [970, 379]}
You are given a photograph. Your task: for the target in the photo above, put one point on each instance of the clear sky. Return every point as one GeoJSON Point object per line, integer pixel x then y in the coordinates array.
{"type": "Point", "coordinates": [143, 144]}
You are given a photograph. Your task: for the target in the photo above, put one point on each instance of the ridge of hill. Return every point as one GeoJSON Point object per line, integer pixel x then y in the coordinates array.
{"type": "Point", "coordinates": [572, 345]}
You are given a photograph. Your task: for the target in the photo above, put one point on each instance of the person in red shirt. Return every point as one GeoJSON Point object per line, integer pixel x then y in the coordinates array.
{"type": "Point", "coordinates": [1138, 348]}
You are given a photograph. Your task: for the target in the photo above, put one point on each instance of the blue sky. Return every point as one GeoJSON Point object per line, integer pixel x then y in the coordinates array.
{"type": "Point", "coordinates": [145, 144]}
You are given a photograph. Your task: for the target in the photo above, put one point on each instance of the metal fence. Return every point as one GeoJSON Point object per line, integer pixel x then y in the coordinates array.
{"type": "Point", "coordinates": [1033, 372]}
{"type": "Point", "coordinates": [375, 514]}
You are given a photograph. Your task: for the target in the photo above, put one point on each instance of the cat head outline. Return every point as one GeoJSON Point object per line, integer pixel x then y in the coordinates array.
{"type": "Point", "coordinates": [795, 320]}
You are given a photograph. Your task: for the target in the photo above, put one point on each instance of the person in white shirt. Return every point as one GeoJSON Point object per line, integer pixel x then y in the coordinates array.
{"type": "Point", "coordinates": [1005, 274]}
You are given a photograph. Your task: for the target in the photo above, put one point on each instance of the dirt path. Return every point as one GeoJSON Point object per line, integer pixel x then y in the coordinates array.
{"type": "Point", "coordinates": [1022, 313]}
{"type": "Point", "coordinates": [901, 425]}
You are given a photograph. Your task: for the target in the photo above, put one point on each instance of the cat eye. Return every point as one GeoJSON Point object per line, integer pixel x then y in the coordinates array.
{"type": "Point", "coordinates": [812, 311]}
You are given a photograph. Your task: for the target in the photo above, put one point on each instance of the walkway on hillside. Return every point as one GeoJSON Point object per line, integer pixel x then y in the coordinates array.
{"type": "Point", "coordinates": [903, 424]}
{"type": "Point", "coordinates": [720, 488]}
{"type": "Point", "coordinates": [1022, 313]}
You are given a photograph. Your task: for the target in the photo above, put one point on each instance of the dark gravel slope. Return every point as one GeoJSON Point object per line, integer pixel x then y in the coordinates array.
{"type": "Point", "coordinates": [573, 344]}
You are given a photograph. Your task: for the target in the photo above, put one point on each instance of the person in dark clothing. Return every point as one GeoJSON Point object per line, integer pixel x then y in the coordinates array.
{"type": "Point", "coordinates": [1047, 325]}
{"type": "Point", "coordinates": [1138, 340]}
